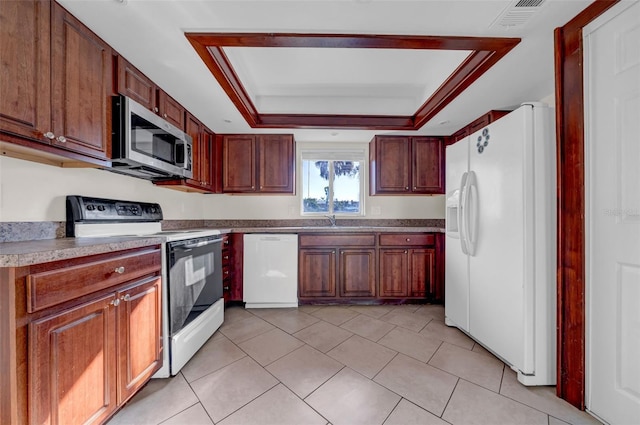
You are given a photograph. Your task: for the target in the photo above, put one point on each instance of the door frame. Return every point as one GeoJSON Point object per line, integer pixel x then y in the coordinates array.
{"type": "Point", "coordinates": [571, 246]}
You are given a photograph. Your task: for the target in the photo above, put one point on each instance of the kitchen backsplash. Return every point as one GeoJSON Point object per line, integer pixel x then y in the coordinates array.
{"type": "Point", "coordinates": [29, 230]}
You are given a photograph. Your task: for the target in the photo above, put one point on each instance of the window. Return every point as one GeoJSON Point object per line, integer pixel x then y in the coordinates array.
{"type": "Point", "coordinates": [332, 182]}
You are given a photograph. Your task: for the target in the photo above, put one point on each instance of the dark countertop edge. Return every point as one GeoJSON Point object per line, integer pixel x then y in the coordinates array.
{"type": "Point", "coordinates": [27, 253]}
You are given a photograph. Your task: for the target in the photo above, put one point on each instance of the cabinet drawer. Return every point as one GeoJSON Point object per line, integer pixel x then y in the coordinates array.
{"type": "Point", "coordinates": [404, 239]}
{"type": "Point", "coordinates": [337, 240]}
{"type": "Point", "coordinates": [48, 288]}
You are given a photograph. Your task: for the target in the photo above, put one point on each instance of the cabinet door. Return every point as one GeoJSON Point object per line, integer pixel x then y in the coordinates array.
{"type": "Point", "coordinates": [207, 143]}
{"type": "Point", "coordinates": [276, 163]}
{"type": "Point", "coordinates": [239, 163]}
{"type": "Point", "coordinates": [421, 273]}
{"type": "Point", "coordinates": [317, 273]}
{"type": "Point", "coordinates": [390, 165]}
{"type": "Point", "coordinates": [136, 85]}
{"type": "Point", "coordinates": [394, 273]}
{"type": "Point", "coordinates": [171, 110]}
{"type": "Point", "coordinates": [193, 128]}
{"type": "Point", "coordinates": [428, 165]}
{"type": "Point", "coordinates": [72, 365]}
{"type": "Point", "coordinates": [140, 336]}
{"type": "Point", "coordinates": [357, 274]}
{"type": "Point", "coordinates": [81, 82]}
{"type": "Point", "coordinates": [25, 90]}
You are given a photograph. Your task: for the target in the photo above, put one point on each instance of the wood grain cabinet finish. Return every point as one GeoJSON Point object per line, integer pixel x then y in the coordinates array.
{"type": "Point", "coordinates": [60, 85]}
{"type": "Point", "coordinates": [171, 110]}
{"type": "Point", "coordinates": [476, 125]}
{"type": "Point", "coordinates": [232, 255]}
{"type": "Point", "coordinates": [407, 266]}
{"type": "Point", "coordinates": [258, 163]}
{"type": "Point", "coordinates": [78, 359]}
{"type": "Point", "coordinates": [135, 85]}
{"type": "Point", "coordinates": [402, 165]}
{"type": "Point", "coordinates": [336, 267]}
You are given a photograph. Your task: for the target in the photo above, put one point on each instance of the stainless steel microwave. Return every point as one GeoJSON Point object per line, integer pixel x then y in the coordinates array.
{"type": "Point", "coordinates": [146, 146]}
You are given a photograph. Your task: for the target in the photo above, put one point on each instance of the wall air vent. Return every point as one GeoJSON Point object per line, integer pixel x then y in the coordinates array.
{"type": "Point", "coordinates": [518, 13]}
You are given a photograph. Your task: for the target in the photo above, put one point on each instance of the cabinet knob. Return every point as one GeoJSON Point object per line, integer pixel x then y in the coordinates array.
{"type": "Point", "coordinates": [155, 109]}
{"type": "Point", "coordinates": [49, 135]}
{"type": "Point", "coordinates": [405, 251]}
{"type": "Point", "coordinates": [127, 297]}
{"type": "Point", "coordinates": [226, 272]}
{"type": "Point", "coordinates": [115, 302]}
{"type": "Point", "coordinates": [164, 115]}
{"type": "Point", "coordinates": [61, 139]}
{"type": "Point", "coordinates": [119, 270]}
{"type": "Point", "coordinates": [408, 239]}
{"type": "Point", "coordinates": [406, 188]}
{"type": "Point", "coordinates": [415, 187]}
{"type": "Point", "coordinates": [226, 257]}
{"type": "Point", "coordinates": [253, 187]}
{"type": "Point", "coordinates": [226, 288]}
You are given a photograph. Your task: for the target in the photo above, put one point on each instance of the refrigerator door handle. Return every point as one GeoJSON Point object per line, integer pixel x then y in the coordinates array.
{"type": "Point", "coordinates": [462, 213]}
{"type": "Point", "coordinates": [471, 213]}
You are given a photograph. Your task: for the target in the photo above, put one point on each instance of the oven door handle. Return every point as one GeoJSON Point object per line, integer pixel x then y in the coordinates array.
{"type": "Point", "coordinates": [197, 244]}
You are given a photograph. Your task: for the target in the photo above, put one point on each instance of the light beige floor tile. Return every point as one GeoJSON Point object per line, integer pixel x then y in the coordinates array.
{"type": "Point", "coordinates": [556, 421]}
{"type": "Point", "coordinates": [472, 404]}
{"type": "Point", "coordinates": [477, 348]}
{"type": "Point", "coordinates": [543, 398]}
{"type": "Point", "coordinates": [234, 314]}
{"type": "Point", "coordinates": [362, 355]}
{"type": "Point", "coordinates": [434, 311]}
{"type": "Point", "coordinates": [407, 413]}
{"type": "Point", "coordinates": [323, 336]}
{"type": "Point", "coordinates": [368, 327]}
{"type": "Point", "coordinates": [214, 354]}
{"type": "Point", "coordinates": [335, 315]}
{"type": "Point", "coordinates": [406, 319]}
{"type": "Point", "coordinates": [424, 385]}
{"type": "Point", "coordinates": [291, 321]}
{"type": "Point", "coordinates": [375, 311]}
{"type": "Point", "coordinates": [159, 400]}
{"type": "Point", "coordinates": [195, 415]}
{"type": "Point", "coordinates": [309, 308]}
{"type": "Point", "coordinates": [411, 343]}
{"type": "Point", "coordinates": [262, 312]}
{"type": "Point", "coordinates": [438, 330]}
{"type": "Point", "coordinates": [478, 368]}
{"type": "Point", "coordinates": [278, 406]}
{"type": "Point", "coordinates": [245, 329]}
{"type": "Point", "coordinates": [411, 308]}
{"type": "Point", "coordinates": [226, 390]}
{"type": "Point", "coordinates": [304, 370]}
{"type": "Point", "coordinates": [351, 399]}
{"type": "Point", "coordinates": [270, 346]}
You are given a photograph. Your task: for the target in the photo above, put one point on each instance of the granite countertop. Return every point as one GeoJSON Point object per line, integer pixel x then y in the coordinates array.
{"type": "Point", "coordinates": [26, 253]}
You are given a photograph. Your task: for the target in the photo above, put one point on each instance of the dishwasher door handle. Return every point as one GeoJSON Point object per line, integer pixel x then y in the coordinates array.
{"type": "Point", "coordinates": [271, 238]}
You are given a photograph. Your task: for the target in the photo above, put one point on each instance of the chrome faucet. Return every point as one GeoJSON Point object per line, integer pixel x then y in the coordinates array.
{"type": "Point", "coordinates": [332, 219]}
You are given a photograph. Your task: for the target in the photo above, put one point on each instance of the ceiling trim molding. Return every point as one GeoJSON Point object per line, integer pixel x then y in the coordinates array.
{"type": "Point", "coordinates": [485, 52]}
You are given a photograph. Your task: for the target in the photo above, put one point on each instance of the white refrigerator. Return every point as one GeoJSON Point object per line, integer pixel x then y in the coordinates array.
{"type": "Point", "coordinates": [500, 255]}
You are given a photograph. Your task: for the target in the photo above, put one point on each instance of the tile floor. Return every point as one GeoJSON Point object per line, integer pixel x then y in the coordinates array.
{"type": "Point", "coordinates": [335, 365]}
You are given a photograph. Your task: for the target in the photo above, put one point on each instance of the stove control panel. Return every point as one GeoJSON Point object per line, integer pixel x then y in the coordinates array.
{"type": "Point", "coordinates": [88, 209]}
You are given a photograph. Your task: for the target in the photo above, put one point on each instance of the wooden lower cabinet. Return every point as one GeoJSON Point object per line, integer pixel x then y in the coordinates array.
{"type": "Point", "coordinates": [357, 272]}
{"type": "Point", "coordinates": [406, 273]}
{"type": "Point", "coordinates": [317, 273]}
{"type": "Point", "coordinates": [78, 358]}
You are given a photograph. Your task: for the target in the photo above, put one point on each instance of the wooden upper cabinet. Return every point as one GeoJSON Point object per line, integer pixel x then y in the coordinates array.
{"type": "Point", "coordinates": [59, 76]}
{"type": "Point", "coordinates": [402, 165]}
{"type": "Point", "coordinates": [81, 82]}
{"type": "Point", "coordinates": [137, 86]}
{"type": "Point", "coordinates": [276, 163]}
{"type": "Point", "coordinates": [258, 163]}
{"type": "Point", "coordinates": [476, 125]}
{"type": "Point", "coordinates": [239, 163]}
{"type": "Point", "coordinates": [427, 168]}
{"type": "Point", "coordinates": [25, 66]}
{"type": "Point", "coordinates": [171, 110]}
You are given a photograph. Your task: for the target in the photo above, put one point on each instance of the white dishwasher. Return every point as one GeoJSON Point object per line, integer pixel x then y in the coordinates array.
{"type": "Point", "coordinates": [270, 270]}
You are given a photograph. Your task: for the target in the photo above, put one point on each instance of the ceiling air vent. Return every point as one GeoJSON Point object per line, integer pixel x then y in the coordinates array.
{"type": "Point", "coordinates": [518, 13]}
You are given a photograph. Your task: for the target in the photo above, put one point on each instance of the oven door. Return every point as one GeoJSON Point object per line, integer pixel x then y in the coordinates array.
{"type": "Point", "coordinates": [195, 279]}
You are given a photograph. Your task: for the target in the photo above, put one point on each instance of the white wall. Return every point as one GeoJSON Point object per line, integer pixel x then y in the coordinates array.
{"type": "Point", "coordinates": [31, 191]}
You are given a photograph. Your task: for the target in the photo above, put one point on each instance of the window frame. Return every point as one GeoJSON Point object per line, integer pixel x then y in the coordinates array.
{"type": "Point", "coordinates": [333, 152]}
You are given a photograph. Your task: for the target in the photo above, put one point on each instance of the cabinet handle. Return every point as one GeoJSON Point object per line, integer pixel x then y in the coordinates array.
{"type": "Point", "coordinates": [226, 242]}
{"type": "Point", "coordinates": [226, 257]}
{"type": "Point", "coordinates": [405, 251]}
{"type": "Point", "coordinates": [62, 139]}
{"type": "Point", "coordinates": [226, 288]}
{"type": "Point", "coordinates": [164, 115]}
{"type": "Point", "coordinates": [333, 252]}
{"type": "Point", "coordinates": [415, 187]}
{"type": "Point", "coordinates": [253, 187]}
{"type": "Point", "coordinates": [155, 109]}
{"type": "Point", "coordinates": [119, 270]}
{"type": "Point", "coordinates": [49, 135]}
{"type": "Point", "coordinates": [115, 302]}
{"type": "Point", "coordinates": [227, 272]}
{"type": "Point", "coordinates": [408, 239]}
{"type": "Point", "coordinates": [406, 188]}
{"type": "Point", "coordinates": [127, 297]}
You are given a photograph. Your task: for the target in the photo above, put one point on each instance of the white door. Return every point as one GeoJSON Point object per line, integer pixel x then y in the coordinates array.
{"type": "Point", "coordinates": [496, 310]}
{"type": "Point", "coordinates": [612, 123]}
{"type": "Point", "coordinates": [456, 261]}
